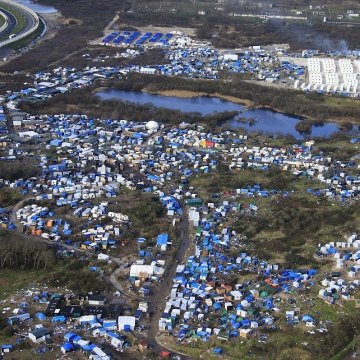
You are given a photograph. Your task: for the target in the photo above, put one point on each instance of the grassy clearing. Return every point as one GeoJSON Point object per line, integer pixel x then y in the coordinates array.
{"type": "Point", "coordinates": [348, 349]}
{"type": "Point", "coordinates": [339, 101]}
{"type": "Point", "coordinates": [13, 280]}
{"type": "Point", "coordinates": [72, 273]}
{"type": "Point", "coordinates": [145, 212]}
{"type": "Point", "coordinates": [20, 20]}
{"type": "Point", "coordinates": [225, 180]}
{"type": "Point", "coordinates": [203, 350]}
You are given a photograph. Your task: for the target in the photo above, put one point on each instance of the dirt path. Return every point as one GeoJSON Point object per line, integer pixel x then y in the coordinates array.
{"type": "Point", "coordinates": [107, 30]}
{"type": "Point", "coordinates": [158, 298]}
{"type": "Point", "coordinates": [117, 285]}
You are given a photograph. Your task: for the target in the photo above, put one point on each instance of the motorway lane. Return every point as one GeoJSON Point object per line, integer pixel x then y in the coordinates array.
{"type": "Point", "coordinates": [11, 23]}
{"type": "Point", "coordinates": [30, 22]}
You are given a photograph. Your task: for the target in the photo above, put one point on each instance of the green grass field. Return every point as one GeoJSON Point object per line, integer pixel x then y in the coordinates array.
{"type": "Point", "coordinates": [13, 280]}
{"type": "Point", "coordinates": [2, 21]}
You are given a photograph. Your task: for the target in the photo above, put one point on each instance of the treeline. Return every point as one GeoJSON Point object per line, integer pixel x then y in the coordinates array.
{"type": "Point", "coordinates": [22, 254]}
{"type": "Point", "coordinates": [235, 33]}
{"type": "Point", "coordinates": [311, 105]}
{"type": "Point", "coordinates": [87, 103]}
{"type": "Point", "coordinates": [14, 170]}
{"type": "Point", "coordinates": [314, 106]}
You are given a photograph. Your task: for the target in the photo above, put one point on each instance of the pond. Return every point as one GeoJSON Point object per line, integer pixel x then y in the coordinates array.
{"type": "Point", "coordinates": [260, 120]}
{"type": "Point", "coordinates": [39, 8]}
{"type": "Point", "coordinates": [202, 104]}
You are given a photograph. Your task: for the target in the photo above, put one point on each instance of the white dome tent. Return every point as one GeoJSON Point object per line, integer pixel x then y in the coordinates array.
{"type": "Point", "coordinates": [152, 125]}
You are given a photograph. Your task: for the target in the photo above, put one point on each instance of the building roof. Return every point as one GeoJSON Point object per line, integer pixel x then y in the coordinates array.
{"type": "Point", "coordinates": [38, 333]}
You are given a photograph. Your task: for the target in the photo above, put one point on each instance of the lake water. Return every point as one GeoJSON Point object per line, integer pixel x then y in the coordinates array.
{"type": "Point", "coordinates": [39, 8]}
{"type": "Point", "coordinates": [203, 105]}
{"type": "Point", "coordinates": [267, 121]}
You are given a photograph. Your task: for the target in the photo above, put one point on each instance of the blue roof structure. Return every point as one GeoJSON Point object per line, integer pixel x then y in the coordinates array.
{"type": "Point", "coordinates": [162, 239]}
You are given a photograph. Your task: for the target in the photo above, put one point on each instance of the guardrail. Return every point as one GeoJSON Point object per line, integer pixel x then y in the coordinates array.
{"type": "Point", "coordinates": [32, 13]}
{"type": "Point", "coordinates": [6, 23]}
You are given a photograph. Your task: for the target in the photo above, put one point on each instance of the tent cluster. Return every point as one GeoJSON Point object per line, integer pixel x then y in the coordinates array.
{"type": "Point", "coordinates": [5, 222]}
{"type": "Point", "coordinates": [89, 314]}
{"type": "Point", "coordinates": [205, 303]}
{"type": "Point", "coordinates": [344, 281]}
{"type": "Point", "coordinates": [40, 221]}
{"type": "Point", "coordinates": [302, 162]}
{"type": "Point", "coordinates": [98, 158]}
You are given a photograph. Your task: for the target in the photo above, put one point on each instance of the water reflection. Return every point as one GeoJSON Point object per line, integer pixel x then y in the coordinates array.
{"type": "Point", "coordinates": [253, 120]}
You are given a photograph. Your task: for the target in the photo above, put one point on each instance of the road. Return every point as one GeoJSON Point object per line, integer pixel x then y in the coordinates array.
{"type": "Point", "coordinates": [25, 15]}
{"type": "Point", "coordinates": [11, 23]}
{"type": "Point", "coordinates": [157, 299]}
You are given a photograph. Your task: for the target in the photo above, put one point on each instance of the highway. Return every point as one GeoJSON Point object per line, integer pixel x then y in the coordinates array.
{"type": "Point", "coordinates": [30, 22]}
{"type": "Point", "coordinates": [26, 15]}
{"type": "Point", "coordinates": [11, 23]}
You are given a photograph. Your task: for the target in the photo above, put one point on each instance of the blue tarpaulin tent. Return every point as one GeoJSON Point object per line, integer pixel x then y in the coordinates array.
{"type": "Point", "coordinates": [40, 316]}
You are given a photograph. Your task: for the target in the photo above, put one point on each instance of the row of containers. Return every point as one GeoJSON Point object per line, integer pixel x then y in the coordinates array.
{"type": "Point", "coordinates": [127, 38]}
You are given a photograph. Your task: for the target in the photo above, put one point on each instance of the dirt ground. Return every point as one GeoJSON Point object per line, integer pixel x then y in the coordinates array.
{"type": "Point", "coordinates": [53, 22]}
{"type": "Point", "coordinates": [185, 94]}
{"type": "Point", "coordinates": [115, 24]}
{"type": "Point", "coordinates": [186, 30]}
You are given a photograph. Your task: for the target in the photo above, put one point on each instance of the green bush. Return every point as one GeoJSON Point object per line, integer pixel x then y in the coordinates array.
{"type": "Point", "coordinates": [9, 197]}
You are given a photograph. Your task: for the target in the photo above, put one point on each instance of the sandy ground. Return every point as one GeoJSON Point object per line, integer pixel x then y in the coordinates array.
{"type": "Point", "coordinates": [191, 94]}
{"type": "Point", "coordinates": [296, 60]}
{"type": "Point", "coordinates": [186, 30]}
{"type": "Point", "coordinates": [53, 22]}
